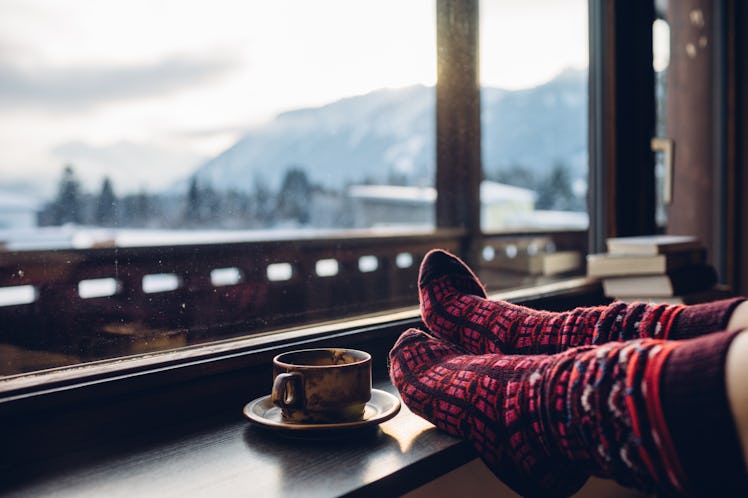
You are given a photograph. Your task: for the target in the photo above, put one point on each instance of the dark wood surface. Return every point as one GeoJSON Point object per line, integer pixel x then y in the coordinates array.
{"type": "Point", "coordinates": [621, 116]}
{"type": "Point", "coordinates": [238, 458]}
{"type": "Point", "coordinates": [691, 121]}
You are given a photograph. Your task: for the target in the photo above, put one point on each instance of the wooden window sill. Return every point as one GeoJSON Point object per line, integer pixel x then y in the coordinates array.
{"type": "Point", "coordinates": [237, 458]}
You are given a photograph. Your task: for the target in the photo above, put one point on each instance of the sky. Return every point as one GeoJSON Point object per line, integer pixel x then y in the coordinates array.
{"type": "Point", "coordinates": [143, 91]}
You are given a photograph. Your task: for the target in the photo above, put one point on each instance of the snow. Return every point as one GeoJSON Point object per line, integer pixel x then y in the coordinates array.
{"type": "Point", "coordinates": [84, 237]}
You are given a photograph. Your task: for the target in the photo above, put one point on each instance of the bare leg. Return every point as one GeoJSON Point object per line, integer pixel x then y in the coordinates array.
{"type": "Point", "coordinates": [739, 317]}
{"type": "Point", "coordinates": [736, 373]}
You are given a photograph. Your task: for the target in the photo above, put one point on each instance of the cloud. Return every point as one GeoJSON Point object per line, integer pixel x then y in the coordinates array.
{"type": "Point", "coordinates": [88, 86]}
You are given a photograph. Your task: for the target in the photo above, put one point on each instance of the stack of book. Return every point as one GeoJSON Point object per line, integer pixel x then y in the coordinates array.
{"type": "Point", "coordinates": [656, 268]}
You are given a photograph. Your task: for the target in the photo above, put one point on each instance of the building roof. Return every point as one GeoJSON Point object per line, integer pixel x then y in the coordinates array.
{"type": "Point", "coordinates": [393, 193]}
{"type": "Point", "coordinates": [491, 192]}
{"type": "Point", "coordinates": [498, 192]}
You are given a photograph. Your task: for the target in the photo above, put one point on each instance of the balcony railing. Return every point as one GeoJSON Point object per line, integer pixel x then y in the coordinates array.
{"type": "Point", "coordinates": [96, 303]}
{"type": "Point", "coordinates": [62, 307]}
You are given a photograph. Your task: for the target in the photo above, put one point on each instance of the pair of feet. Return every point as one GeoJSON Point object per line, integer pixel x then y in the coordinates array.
{"type": "Point", "coordinates": [548, 399]}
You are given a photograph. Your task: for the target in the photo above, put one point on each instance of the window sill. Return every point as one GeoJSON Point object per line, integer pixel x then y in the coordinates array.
{"type": "Point", "coordinates": [237, 458]}
{"type": "Point", "coordinates": [259, 348]}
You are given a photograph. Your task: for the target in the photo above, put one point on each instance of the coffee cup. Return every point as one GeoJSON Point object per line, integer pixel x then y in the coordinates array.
{"type": "Point", "coordinates": [323, 385]}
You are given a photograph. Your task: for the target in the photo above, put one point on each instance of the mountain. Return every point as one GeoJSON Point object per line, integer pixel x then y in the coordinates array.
{"type": "Point", "coordinates": [388, 136]}
{"type": "Point", "coordinates": [537, 127]}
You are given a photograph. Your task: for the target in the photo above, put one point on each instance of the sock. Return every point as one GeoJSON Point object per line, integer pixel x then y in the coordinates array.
{"type": "Point", "coordinates": [454, 306]}
{"type": "Point", "coordinates": [457, 392]}
{"type": "Point", "coordinates": [649, 413]}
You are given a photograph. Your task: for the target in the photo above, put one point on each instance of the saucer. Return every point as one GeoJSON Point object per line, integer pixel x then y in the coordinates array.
{"type": "Point", "coordinates": [381, 407]}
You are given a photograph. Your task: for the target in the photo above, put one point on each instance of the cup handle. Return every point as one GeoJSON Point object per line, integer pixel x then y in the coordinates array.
{"type": "Point", "coordinates": [287, 390]}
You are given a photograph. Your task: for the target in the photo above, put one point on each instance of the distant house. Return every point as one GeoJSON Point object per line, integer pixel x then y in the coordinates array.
{"type": "Point", "coordinates": [388, 205]}
{"type": "Point", "coordinates": [500, 203]}
{"type": "Point", "coordinates": [508, 208]}
{"type": "Point", "coordinates": [18, 210]}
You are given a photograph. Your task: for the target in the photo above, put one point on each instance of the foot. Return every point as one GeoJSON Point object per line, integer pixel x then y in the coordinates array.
{"type": "Point", "coordinates": [455, 307]}
{"type": "Point", "coordinates": [621, 410]}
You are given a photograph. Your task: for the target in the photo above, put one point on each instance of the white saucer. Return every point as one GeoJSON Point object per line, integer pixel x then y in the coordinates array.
{"type": "Point", "coordinates": [381, 407]}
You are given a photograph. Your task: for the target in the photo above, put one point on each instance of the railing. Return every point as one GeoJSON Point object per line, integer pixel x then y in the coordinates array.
{"type": "Point", "coordinates": [96, 303]}
{"type": "Point", "coordinates": [88, 304]}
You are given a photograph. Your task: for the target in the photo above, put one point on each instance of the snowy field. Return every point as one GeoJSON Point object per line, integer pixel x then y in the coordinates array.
{"type": "Point", "coordinates": [82, 237]}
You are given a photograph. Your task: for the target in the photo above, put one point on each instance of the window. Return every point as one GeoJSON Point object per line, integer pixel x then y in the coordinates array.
{"type": "Point", "coordinates": [183, 122]}
{"type": "Point", "coordinates": [198, 172]}
{"type": "Point", "coordinates": [151, 152]}
{"type": "Point", "coordinates": [534, 125]}
{"type": "Point", "coordinates": [534, 115]}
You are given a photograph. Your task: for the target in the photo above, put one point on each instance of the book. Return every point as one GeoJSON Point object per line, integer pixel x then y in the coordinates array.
{"type": "Point", "coordinates": [616, 265]}
{"type": "Point", "coordinates": [681, 281]}
{"type": "Point", "coordinates": [541, 263]}
{"type": "Point", "coordinates": [652, 244]}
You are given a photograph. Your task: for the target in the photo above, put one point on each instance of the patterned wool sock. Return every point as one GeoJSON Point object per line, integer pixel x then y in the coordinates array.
{"type": "Point", "coordinates": [649, 413]}
{"type": "Point", "coordinates": [454, 306]}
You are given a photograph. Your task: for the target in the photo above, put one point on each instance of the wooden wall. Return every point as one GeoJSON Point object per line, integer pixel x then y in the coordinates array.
{"type": "Point", "coordinates": [706, 117]}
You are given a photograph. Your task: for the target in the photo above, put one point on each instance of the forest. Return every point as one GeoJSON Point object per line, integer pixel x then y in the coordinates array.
{"type": "Point", "coordinates": [292, 204]}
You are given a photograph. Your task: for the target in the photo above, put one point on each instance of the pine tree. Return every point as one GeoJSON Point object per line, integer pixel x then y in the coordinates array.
{"type": "Point", "coordinates": [262, 201]}
{"type": "Point", "coordinates": [137, 209]}
{"type": "Point", "coordinates": [295, 196]}
{"type": "Point", "coordinates": [143, 208]}
{"type": "Point", "coordinates": [193, 207]}
{"type": "Point", "coordinates": [106, 205]}
{"type": "Point", "coordinates": [68, 205]}
{"type": "Point", "coordinates": [555, 192]}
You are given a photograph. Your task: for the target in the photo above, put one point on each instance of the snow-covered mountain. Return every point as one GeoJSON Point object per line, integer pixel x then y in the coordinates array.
{"type": "Point", "coordinates": [537, 127]}
{"type": "Point", "coordinates": [389, 134]}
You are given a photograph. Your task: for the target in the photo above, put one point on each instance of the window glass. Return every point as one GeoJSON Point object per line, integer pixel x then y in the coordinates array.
{"type": "Point", "coordinates": [186, 116]}
{"type": "Point", "coordinates": [534, 125]}
{"type": "Point", "coordinates": [533, 74]}
{"type": "Point", "coordinates": [135, 135]}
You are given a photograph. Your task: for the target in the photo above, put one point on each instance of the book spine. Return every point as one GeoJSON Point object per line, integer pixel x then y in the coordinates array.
{"type": "Point", "coordinates": [693, 278]}
{"type": "Point", "coordinates": [676, 260]}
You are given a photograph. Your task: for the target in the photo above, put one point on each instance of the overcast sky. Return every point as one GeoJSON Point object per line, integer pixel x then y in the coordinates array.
{"type": "Point", "coordinates": [144, 90]}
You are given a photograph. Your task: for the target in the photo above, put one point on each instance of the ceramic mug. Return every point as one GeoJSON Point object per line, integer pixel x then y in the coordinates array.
{"type": "Point", "coordinates": [323, 385]}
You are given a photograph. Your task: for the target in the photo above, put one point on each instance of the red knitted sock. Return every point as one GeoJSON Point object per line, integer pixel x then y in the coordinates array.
{"type": "Point", "coordinates": [478, 398]}
{"type": "Point", "coordinates": [454, 306]}
{"type": "Point", "coordinates": [632, 411]}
